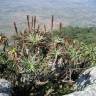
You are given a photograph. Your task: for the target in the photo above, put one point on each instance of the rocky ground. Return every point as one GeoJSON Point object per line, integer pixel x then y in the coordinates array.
{"type": "Point", "coordinates": [86, 84]}
{"type": "Point", "coordinates": [5, 88]}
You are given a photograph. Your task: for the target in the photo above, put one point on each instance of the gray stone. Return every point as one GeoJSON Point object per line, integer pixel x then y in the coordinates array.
{"type": "Point", "coordinates": [86, 84]}
{"type": "Point", "coordinates": [5, 88]}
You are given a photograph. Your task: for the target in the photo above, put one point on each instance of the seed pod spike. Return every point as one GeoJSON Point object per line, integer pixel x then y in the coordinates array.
{"type": "Point", "coordinates": [28, 22]}
{"type": "Point", "coordinates": [52, 22]}
{"type": "Point", "coordinates": [15, 26]}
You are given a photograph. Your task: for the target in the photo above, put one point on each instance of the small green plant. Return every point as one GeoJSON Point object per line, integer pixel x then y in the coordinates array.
{"type": "Point", "coordinates": [34, 38]}
{"type": "Point", "coordinates": [29, 64]}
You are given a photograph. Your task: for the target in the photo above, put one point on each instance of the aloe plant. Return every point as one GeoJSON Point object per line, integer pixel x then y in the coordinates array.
{"type": "Point", "coordinates": [29, 64]}
{"type": "Point", "coordinates": [34, 38]}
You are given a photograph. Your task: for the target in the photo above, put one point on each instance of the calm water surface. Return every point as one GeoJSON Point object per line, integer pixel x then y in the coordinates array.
{"type": "Point", "coordinates": [71, 12]}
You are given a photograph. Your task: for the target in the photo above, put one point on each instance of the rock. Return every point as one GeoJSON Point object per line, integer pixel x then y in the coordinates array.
{"type": "Point", "coordinates": [86, 84]}
{"type": "Point", "coordinates": [5, 88]}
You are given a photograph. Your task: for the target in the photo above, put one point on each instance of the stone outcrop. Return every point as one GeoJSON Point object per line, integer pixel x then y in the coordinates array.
{"type": "Point", "coordinates": [5, 88]}
{"type": "Point", "coordinates": [86, 84]}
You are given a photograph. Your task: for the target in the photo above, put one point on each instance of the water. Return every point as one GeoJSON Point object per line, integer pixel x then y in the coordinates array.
{"type": "Point", "coordinates": [71, 12]}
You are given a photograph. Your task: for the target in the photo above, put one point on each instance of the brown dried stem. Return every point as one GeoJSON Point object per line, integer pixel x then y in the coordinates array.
{"type": "Point", "coordinates": [34, 22]}
{"type": "Point", "coordinates": [52, 22]}
{"type": "Point", "coordinates": [28, 22]}
{"type": "Point", "coordinates": [60, 26]}
{"type": "Point", "coordinates": [16, 30]}
{"type": "Point", "coordinates": [44, 28]}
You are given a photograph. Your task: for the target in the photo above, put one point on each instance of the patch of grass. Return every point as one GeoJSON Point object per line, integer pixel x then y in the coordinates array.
{"type": "Point", "coordinates": [86, 34]}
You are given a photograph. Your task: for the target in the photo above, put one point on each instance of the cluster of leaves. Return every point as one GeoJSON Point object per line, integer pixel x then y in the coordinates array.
{"type": "Point", "coordinates": [44, 64]}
